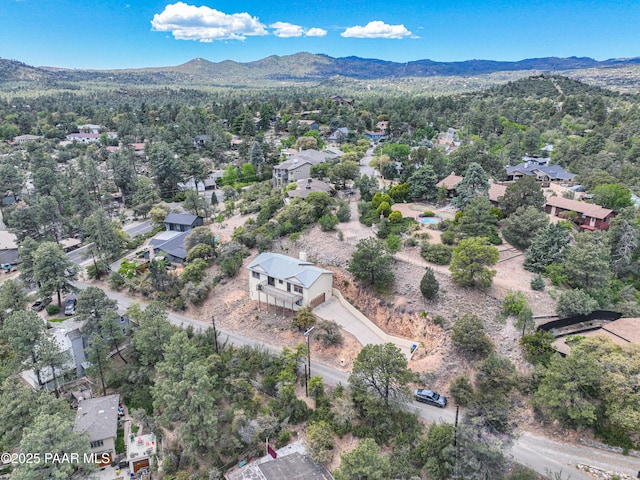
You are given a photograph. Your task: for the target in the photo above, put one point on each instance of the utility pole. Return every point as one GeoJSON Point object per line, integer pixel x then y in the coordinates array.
{"type": "Point", "coordinates": [307, 335]}
{"type": "Point", "coordinates": [215, 333]}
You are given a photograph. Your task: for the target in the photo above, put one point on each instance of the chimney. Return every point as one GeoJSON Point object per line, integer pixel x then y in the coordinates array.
{"type": "Point", "coordinates": [303, 256]}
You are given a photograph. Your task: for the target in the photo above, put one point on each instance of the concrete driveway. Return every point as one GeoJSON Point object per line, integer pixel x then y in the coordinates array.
{"type": "Point", "coordinates": [365, 331]}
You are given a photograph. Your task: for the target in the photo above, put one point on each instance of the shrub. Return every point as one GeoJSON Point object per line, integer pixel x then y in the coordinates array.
{"type": "Point", "coordinates": [329, 333]}
{"type": "Point", "coordinates": [194, 272]}
{"type": "Point", "coordinates": [514, 302]}
{"type": "Point", "coordinates": [537, 283]}
{"type": "Point", "coordinates": [328, 222]}
{"type": "Point", "coordinates": [429, 285]}
{"type": "Point", "coordinates": [344, 212]}
{"type": "Point", "coordinates": [195, 293]}
{"type": "Point", "coordinates": [116, 281]}
{"type": "Point", "coordinates": [469, 336]}
{"type": "Point", "coordinates": [556, 273]}
{"type": "Point", "coordinates": [428, 213]}
{"type": "Point", "coordinates": [53, 309]}
{"type": "Point", "coordinates": [411, 242]}
{"type": "Point", "coordinates": [384, 209]}
{"type": "Point", "coordinates": [395, 216]}
{"type": "Point", "coordinates": [575, 302]}
{"type": "Point", "coordinates": [436, 253]}
{"type": "Point", "coordinates": [448, 237]}
{"type": "Point", "coordinates": [461, 390]}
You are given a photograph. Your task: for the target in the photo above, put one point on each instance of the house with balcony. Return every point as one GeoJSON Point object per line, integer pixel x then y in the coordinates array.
{"type": "Point", "coordinates": [587, 215]}
{"type": "Point", "coordinates": [298, 166]}
{"type": "Point", "coordinates": [288, 282]}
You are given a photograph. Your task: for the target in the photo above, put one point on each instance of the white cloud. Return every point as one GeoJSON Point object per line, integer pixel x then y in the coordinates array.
{"type": "Point", "coordinates": [377, 29]}
{"type": "Point", "coordinates": [204, 24]}
{"type": "Point", "coordinates": [316, 32]}
{"type": "Point", "coordinates": [287, 30]}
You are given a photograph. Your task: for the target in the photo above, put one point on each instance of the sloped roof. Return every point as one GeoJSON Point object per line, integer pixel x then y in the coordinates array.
{"type": "Point", "coordinates": [554, 172]}
{"type": "Point", "coordinates": [286, 268]}
{"type": "Point", "coordinates": [496, 191]}
{"type": "Point", "coordinates": [621, 332]}
{"type": "Point", "coordinates": [627, 329]}
{"type": "Point", "coordinates": [588, 209]}
{"type": "Point", "coordinates": [173, 246]}
{"type": "Point", "coordinates": [450, 181]}
{"type": "Point", "coordinates": [181, 218]}
{"type": "Point", "coordinates": [98, 417]}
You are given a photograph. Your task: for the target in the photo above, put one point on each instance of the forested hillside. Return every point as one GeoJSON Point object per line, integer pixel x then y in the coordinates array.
{"type": "Point", "coordinates": [214, 404]}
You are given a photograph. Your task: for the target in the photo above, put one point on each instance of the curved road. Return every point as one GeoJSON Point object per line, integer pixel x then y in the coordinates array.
{"type": "Point", "coordinates": [539, 453]}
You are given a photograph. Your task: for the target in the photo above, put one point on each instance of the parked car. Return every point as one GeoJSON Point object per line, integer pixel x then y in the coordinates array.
{"type": "Point", "coordinates": [70, 306]}
{"type": "Point", "coordinates": [429, 396]}
{"type": "Point", "coordinates": [40, 304]}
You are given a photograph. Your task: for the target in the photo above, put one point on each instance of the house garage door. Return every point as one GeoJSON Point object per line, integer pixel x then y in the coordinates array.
{"type": "Point", "coordinates": [317, 301]}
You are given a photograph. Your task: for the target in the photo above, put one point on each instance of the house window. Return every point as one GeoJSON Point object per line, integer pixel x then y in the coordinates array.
{"type": "Point", "coordinates": [271, 281]}
{"type": "Point", "coordinates": [124, 331]}
{"type": "Point", "coordinates": [297, 288]}
{"type": "Point", "coordinates": [255, 275]}
{"type": "Point", "coordinates": [280, 282]}
{"type": "Point", "coordinates": [97, 443]}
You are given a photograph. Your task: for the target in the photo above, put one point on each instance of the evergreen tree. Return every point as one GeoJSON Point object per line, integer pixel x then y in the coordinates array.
{"type": "Point", "coordinates": [474, 184]}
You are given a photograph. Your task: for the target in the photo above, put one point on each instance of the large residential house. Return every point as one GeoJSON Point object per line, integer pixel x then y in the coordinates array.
{"type": "Point", "coordinates": [298, 166]}
{"type": "Point", "coordinates": [98, 418]}
{"type": "Point", "coordinates": [589, 215]}
{"type": "Point", "coordinates": [539, 168]}
{"type": "Point", "coordinates": [288, 282]}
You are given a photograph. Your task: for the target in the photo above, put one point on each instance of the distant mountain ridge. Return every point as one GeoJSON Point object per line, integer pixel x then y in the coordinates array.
{"type": "Point", "coordinates": [299, 67]}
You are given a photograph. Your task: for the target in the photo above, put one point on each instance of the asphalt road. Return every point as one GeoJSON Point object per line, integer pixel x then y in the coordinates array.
{"type": "Point", "coordinates": [539, 453]}
{"type": "Point", "coordinates": [139, 228]}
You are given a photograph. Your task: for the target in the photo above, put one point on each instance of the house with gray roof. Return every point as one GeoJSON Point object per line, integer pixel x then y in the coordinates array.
{"type": "Point", "coordinates": [288, 282]}
{"type": "Point", "coordinates": [171, 243]}
{"type": "Point", "coordinates": [298, 166]}
{"type": "Point", "coordinates": [306, 186]}
{"type": "Point", "coordinates": [182, 222]}
{"type": "Point", "coordinates": [539, 168]}
{"type": "Point", "coordinates": [98, 418]}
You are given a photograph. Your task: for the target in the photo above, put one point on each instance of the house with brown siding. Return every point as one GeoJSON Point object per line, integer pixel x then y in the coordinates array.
{"type": "Point", "coordinates": [590, 216]}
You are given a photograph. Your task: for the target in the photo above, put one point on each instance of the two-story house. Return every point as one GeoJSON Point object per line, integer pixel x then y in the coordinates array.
{"type": "Point", "coordinates": [298, 166]}
{"type": "Point", "coordinates": [288, 282]}
{"type": "Point", "coordinates": [98, 418]}
{"type": "Point", "coordinates": [182, 222]}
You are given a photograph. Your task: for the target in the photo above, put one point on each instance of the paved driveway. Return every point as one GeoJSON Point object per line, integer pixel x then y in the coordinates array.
{"type": "Point", "coordinates": [332, 309]}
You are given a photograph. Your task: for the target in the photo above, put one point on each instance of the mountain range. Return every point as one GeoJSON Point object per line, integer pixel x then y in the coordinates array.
{"type": "Point", "coordinates": [297, 68]}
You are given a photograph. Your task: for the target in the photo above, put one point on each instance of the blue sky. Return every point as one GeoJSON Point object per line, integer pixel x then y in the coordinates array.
{"type": "Point", "coordinates": [105, 34]}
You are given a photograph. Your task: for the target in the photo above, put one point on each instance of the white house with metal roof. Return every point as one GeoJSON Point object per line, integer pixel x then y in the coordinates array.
{"type": "Point", "coordinates": [288, 282]}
